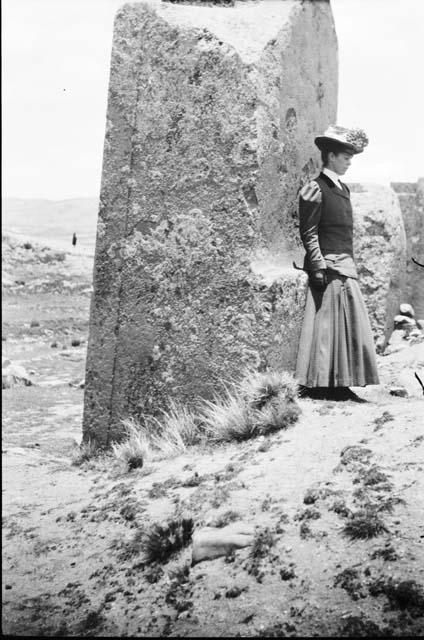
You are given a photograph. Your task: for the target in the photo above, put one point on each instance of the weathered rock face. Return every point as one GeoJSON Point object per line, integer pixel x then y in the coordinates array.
{"type": "Point", "coordinates": [211, 118]}
{"type": "Point", "coordinates": [411, 198]}
{"type": "Point", "coordinates": [380, 250]}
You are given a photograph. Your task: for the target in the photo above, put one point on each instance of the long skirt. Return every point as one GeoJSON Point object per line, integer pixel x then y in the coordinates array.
{"type": "Point", "coordinates": [336, 346]}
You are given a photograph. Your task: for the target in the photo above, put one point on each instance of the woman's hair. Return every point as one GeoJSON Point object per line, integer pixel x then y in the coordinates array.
{"type": "Point", "coordinates": [334, 147]}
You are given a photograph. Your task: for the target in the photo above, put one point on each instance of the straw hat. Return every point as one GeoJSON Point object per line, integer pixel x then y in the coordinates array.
{"type": "Point", "coordinates": [353, 139]}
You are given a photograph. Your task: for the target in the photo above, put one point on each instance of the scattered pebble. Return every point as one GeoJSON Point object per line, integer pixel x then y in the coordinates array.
{"type": "Point", "coordinates": [399, 392]}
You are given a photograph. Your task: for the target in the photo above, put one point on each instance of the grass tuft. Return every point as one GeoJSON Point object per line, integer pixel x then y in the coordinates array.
{"type": "Point", "coordinates": [135, 449]}
{"type": "Point", "coordinates": [225, 518]}
{"type": "Point", "coordinates": [177, 429]}
{"type": "Point", "coordinates": [168, 436]}
{"type": "Point", "coordinates": [258, 389]}
{"type": "Point", "coordinates": [160, 541]}
{"type": "Point", "coordinates": [364, 524]}
{"type": "Point", "coordinates": [260, 404]}
{"type": "Point", "coordinates": [86, 451]}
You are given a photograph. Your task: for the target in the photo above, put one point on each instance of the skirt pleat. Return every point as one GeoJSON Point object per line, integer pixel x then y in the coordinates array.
{"type": "Point", "coordinates": [336, 346]}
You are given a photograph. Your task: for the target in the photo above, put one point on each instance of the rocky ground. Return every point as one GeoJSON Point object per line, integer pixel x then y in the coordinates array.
{"type": "Point", "coordinates": [336, 501]}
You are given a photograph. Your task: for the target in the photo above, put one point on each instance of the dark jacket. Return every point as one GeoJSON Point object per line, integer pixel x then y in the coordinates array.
{"type": "Point", "coordinates": [326, 229]}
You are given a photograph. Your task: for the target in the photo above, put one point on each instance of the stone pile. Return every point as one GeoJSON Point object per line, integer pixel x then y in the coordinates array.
{"type": "Point", "coordinates": [406, 329]}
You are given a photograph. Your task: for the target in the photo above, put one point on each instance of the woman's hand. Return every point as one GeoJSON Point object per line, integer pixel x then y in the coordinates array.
{"type": "Point", "coordinates": [318, 279]}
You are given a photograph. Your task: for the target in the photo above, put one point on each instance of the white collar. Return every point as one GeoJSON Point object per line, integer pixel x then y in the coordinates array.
{"type": "Point", "coordinates": [334, 177]}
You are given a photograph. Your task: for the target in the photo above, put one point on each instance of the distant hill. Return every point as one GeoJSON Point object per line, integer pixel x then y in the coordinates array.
{"type": "Point", "coordinates": [52, 221]}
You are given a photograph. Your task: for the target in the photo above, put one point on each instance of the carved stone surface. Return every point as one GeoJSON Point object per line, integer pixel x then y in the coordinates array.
{"type": "Point", "coordinates": [411, 198]}
{"type": "Point", "coordinates": [211, 118]}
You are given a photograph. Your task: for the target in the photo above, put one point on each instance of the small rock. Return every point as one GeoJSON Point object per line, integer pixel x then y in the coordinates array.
{"type": "Point", "coordinates": [184, 615]}
{"type": "Point", "coordinates": [77, 384]}
{"type": "Point", "coordinates": [54, 345]}
{"type": "Point", "coordinates": [420, 324]}
{"type": "Point", "coordinates": [311, 496]}
{"type": "Point", "coordinates": [400, 392]}
{"type": "Point", "coordinates": [397, 337]}
{"type": "Point", "coordinates": [13, 375]}
{"type": "Point", "coordinates": [404, 322]}
{"type": "Point", "coordinates": [407, 310]}
{"type": "Point", "coordinates": [234, 592]}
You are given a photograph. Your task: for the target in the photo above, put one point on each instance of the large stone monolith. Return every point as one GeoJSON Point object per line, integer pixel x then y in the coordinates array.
{"type": "Point", "coordinates": [380, 253]}
{"type": "Point", "coordinates": [411, 198]}
{"type": "Point", "coordinates": [211, 118]}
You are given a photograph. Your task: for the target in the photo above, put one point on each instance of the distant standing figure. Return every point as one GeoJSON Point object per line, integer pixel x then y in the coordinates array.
{"type": "Point", "coordinates": [74, 239]}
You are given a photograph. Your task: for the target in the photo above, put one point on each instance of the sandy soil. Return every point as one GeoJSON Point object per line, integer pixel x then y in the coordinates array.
{"type": "Point", "coordinates": [71, 565]}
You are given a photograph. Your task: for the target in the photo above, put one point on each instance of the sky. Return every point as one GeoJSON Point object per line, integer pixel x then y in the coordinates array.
{"type": "Point", "coordinates": [55, 63]}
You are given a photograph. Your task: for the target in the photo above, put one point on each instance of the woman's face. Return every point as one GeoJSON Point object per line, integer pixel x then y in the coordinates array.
{"type": "Point", "coordinates": [339, 162]}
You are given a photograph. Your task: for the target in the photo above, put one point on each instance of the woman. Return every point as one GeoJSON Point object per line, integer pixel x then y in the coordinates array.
{"type": "Point", "coordinates": [336, 347]}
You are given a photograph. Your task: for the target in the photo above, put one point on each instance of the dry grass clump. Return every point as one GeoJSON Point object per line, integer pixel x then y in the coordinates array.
{"type": "Point", "coordinates": [86, 451]}
{"type": "Point", "coordinates": [349, 580]}
{"type": "Point", "coordinates": [160, 541]}
{"type": "Point", "coordinates": [168, 436]}
{"type": "Point", "coordinates": [177, 429]}
{"type": "Point", "coordinates": [259, 388]}
{"type": "Point", "coordinates": [225, 518]}
{"type": "Point", "coordinates": [364, 524]}
{"type": "Point", "coordinates": [135, 449]}
{"type": "Point", "coordinates": [260, 404]}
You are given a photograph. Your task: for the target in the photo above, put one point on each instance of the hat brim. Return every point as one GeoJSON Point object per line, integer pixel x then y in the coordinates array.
{"type": "Point", "coordinates": [324, 141]}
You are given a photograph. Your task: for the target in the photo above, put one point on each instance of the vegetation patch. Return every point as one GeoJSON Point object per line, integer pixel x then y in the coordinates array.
{"type": "Point", "coordinates": [259, 551]}
{"type": "Point", "coordinates": [349, 580]}
{"type": "Point", "coordinates": [305, 531]}
{"type": "Point", "coordinates": [406, 594]}
{"type": "Point", "coordinates": [310, 513]}
{"type": "Point", "coordinates": [287, 573]}
{"type": "Point", "coordinates": [371, 477]}
{"type": "Point", "coordinates": [340, 507]}
{"type": "Point", "coordinates": [355, 454]}
{"type": "Point", "coordinates": [135, 449]}
{"type": "Point", "coordinates": [277, 630]}
{"type": "Point", "coordinates": [262, 403]}
{"type": "Point", "coordinates": [160, 489]}
{"type": "Point", "coordinates": [387, 553]}
{"type": "Point", "coordinates": [179, 594]}
{"type": "Point", "coordinates": [364, 524]}
{"type": "Point", "coordinates": [225, 518]}
{"type": "Point", "coordinates": [385, 417]}
{"type": "Point", "coordinates": [360, 627]}
{"type": "Point", "coordinates": [160, 541]}
{"type": "Point", "coordinates": [86, 451]}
